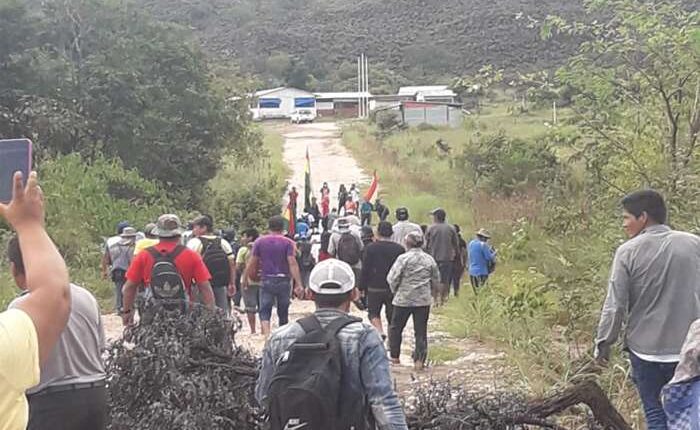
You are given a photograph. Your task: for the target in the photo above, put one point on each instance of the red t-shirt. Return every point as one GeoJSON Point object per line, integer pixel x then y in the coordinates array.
{"type": "Point", "coordinates": [188, 263]}
{"type": "Point", "coordinates": [325, 206]}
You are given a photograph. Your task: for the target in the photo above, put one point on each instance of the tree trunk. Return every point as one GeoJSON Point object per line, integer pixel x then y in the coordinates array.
{"type": "Point", "coordinates": [587, 392]}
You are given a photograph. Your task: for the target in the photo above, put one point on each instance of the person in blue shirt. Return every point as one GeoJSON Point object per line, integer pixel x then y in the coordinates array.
{"type": "Point", "coordinates": [302, 229]}
{"type": "Point", "coordinates": [482, 259]}
{"type": "Point", "coordinates": [366, 209]}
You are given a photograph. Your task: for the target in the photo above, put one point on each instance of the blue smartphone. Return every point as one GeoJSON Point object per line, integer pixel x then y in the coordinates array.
{"type": "Point", "coordinates": [15, 155]}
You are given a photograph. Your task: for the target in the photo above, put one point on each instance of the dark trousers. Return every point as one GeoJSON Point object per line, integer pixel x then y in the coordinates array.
{"type": "Point", "coordinates": [119, 279]}
{"type": "Point", "coordinates": [378, 299]}
{"type": "Point", "coordinates": [399, 319]}
{"type": "Point", "coordinates": [457, 280]}
{"type": "Point", "coordinates": [84, 409]}
{"type": "Point", "coordinates": [478, 281]}
{"type": "Point", "coordinates": [650, 378]}
{"type": "Point", "coordinates": [366, 219]}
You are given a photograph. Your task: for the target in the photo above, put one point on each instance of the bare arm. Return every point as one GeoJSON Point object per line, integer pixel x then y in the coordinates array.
{"type": "Point", "coordinates": [206, 293]}
{"type": "Point", "coordinates": [106, 261]}
{"type": "Point", "coordinates": [129, 291]}
{"type": "Point", "coordinates": [232, 281]}
{"type": "Point", "coordinates": [294, 270]}
{"type": "Point", "coordinates": [48, 305]}
{"type": "Point", "coordinates": [251, 267]}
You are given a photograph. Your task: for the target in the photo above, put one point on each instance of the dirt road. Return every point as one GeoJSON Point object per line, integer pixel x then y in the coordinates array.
{"type": "Point", "coordinates": [329, 160]}
{"type": "Point", "coordinates": [477, 365]}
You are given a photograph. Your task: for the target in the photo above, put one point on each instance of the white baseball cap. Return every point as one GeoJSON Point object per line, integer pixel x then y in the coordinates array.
{"type": "Point", "coordinates": [332, 277]}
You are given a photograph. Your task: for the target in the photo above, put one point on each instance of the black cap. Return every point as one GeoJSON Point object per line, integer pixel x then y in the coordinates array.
{"type": "Point", "coordinates": [204, 221]}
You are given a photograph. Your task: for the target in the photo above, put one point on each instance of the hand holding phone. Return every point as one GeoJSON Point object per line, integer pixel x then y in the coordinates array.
{"type": "Point", "coordinates": [15, 156]}
{"type": "Point", "coordinates": [26, 208]}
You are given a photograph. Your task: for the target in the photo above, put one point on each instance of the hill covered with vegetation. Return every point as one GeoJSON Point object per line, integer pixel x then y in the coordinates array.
{"type": "Point", "coordinates": [314, 43]}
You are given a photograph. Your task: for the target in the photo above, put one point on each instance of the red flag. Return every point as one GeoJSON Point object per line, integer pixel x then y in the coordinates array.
{"type": "Point", "coordinates": [369, 195]}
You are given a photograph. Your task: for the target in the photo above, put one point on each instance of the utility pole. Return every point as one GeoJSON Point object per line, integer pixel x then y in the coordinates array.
{"type": "Point", "coordinates": [359, 88]}
{"type": "Point", "coordinates": [362, 86]}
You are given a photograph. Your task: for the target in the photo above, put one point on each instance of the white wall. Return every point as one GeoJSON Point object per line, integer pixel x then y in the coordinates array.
{"type": "Point", "coordinates": [286, 96]}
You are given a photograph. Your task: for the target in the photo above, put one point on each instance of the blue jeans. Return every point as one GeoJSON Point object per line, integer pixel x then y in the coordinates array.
{"type": "Point", "coordinates": [275, 289]}
{"type": "Point", "coordinates": [650, 378]}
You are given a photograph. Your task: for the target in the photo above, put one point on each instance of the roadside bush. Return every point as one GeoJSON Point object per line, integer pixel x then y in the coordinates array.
{"type": "Point", "coordinates": [387, 122]}
{"type": "Point", "coordinates": [85, 201]}
{"type": "Point", "coordinates": [249, 188]}
{"type": "Point", "coordinates": [508, 166]}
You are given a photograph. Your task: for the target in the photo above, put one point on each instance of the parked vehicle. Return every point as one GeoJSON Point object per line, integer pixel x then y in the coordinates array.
{"type": "Point", "coordinates": [301, 116]}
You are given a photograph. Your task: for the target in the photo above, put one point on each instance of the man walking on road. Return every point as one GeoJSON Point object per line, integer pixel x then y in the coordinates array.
{"type": "Point", "coordinates": [275, 255]}
{"type": "Point", "coordinates": [325, 211]}
{"type": "Point", "coordinates": [71, 394]}
{"type": "Point", "coordinates": [654, 292]}
{"type": "Point", "coordinates": [403, 227]}
{"type": "Point", "coordinates": [482, 259]}
{"type": "Point", "coordinates": [218, 256]}
{"type": "Point", "coordinates": [366, 209]}
{"type": "Point", "coordinates": [460, 263]}
{"type": "Point", "coordinates": [377, 260]}
{"type": "Point", "coordinates": [188, 264]}
{"type": "Point", "coordinates": [412, 278]}
{"type": "Point", "coordinates": [116, 261]}
{"type": "Point", "coordinates": [293, 200]}
{"type": "Point", "coordinates": [381, 209]}
{"type": "Point", "coordinates": [250, 287]}
{"type": "Point", "coordinates": [442, 243]}
{"type": "Point", "coordinates": [346, 244]}
{"type": "Point", "coordinates": [365, 397]}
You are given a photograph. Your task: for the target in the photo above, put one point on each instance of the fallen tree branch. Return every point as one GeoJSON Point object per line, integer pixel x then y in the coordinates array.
{"type": "Point", "coordinates": [586, 392]}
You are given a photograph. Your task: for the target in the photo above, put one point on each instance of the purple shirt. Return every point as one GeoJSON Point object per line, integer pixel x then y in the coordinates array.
{"type": "Point", "coordinates": [273, 250]}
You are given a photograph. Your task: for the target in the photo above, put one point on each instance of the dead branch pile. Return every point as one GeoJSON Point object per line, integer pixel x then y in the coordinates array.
{"type": "Point", "coordinates": [181, 371]}
{"type": "Point", "coordinates": [439, 405]}
{"type": "Point", "coordinates": [184, 371]}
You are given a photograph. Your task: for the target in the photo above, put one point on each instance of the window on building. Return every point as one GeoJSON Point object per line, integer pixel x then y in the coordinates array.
{"type": "Point", "coordinates": [304, 102]}
{"type": "Point", "coordinates": [269, 103]}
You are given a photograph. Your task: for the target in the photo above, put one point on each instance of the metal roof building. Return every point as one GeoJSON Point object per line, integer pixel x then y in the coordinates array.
{"type": "Point", "coordinates": [281, 102]}
{"type": "Point", "coordinates": [340, 104]}
{"type": "Point", "coordinates": [429, 93]}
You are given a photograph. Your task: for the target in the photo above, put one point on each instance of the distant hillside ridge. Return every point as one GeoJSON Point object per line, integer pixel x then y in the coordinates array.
{"type": "Point", "coordinates": [315, 42]}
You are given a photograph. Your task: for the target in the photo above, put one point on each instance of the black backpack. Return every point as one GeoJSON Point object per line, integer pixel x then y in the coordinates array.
{"type": "Point", "coordinates": [349, 249]}
{"type": "Point", "coordinates": [305, 389]}
{"type": "Point", "coordinates": [166, 282]}
{"type": "Point", "coordinates": [306, 260]}
{"type": "Point", "coordinates": [216, 260]}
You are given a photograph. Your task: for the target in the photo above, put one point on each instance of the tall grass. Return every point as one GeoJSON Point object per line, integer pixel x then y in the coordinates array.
{"type": "Point", "coordinates": [542, 304]}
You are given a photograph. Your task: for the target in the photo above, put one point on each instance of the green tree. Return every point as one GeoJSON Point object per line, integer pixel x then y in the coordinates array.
{"type": "Point", "coordinates": [637, 107]}
{"type": "Point", "coordinates": [101, 77]}
{"type": "Point", "coordinates": [476, 87]}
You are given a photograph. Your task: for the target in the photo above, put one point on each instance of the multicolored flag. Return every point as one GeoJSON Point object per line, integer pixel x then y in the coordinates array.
{"type": "Point", "coordinates": [308, 191]}
{"type": "Point", "coordinates": [291, 222]}
{"type": "Point", "coordinates": [372, 190]}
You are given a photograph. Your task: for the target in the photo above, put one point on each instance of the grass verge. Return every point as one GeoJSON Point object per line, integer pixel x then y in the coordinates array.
{"type": "Point", "coordinates": [526, 311]}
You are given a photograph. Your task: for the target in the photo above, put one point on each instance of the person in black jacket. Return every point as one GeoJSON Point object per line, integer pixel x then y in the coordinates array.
{"type": "Point", "coordinates": [377, 259]}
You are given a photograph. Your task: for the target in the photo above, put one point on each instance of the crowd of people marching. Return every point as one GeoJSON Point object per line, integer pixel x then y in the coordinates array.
{"type": "Point", "coordinates": [329, 370]}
